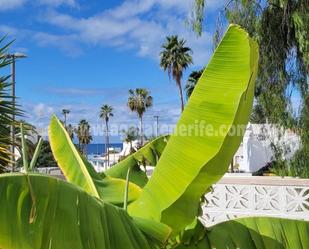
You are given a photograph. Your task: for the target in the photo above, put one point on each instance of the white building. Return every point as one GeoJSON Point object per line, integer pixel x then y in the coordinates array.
{"type": "Point", "coordinates": [255, 151]}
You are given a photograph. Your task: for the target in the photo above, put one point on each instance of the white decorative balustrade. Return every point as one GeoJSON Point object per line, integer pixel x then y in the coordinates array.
{"type": "Point", "coordinates": [235, 197]}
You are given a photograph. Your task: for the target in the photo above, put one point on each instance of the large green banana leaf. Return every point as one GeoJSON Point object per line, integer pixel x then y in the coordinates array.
{"type": "Point", "coordinates": [79, 171]}
{"type": "Point", "coordinates": [148, 154]}
{"type": "Point", "coordinates": [199, 152]}
{"type": "Point", "coordinates": [42, 212]}
{"type": "Point", "coordinates": [249, 233]}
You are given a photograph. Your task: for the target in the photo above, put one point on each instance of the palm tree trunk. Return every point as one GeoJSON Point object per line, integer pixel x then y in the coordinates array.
{"type": "Point", "coordinates": [181, 94]}
{"type": "Point", "coordinates": [142, 131]}
{"type": "Point", "coordinates": [107, 144]}
{"type": "Point", "coordinates": [85, 149]}
{"type": "Point", "coordinates": [65, 121]}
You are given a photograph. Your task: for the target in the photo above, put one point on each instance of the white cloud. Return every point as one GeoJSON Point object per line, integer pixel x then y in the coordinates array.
{"type": "Point", "coordinates": [138, 25]}
{"type": "Point", "coordinates": [66, 43]}
{"type": "Point", "coordinates": [41, 111]}
{"type": "Point", "coordinates": [55, 3]}
{"type": "Point", "coordinates": [11, 4]}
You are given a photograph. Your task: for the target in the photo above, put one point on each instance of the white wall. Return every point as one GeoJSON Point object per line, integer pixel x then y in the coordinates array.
{"type": "Point", "coordinates": [255, 151]}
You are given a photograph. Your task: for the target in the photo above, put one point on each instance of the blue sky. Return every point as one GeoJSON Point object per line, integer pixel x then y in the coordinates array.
{"type": "Point", "coordinates": [83, 54]}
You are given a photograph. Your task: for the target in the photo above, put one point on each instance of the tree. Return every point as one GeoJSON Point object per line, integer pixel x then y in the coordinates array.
{"type": "Point", "coordinates": [83, 135]}
{"type": "Point", "coordinates": [46, 158]}
{"type": "Point", "coordinates": [129, 136]}
{"type": "Point", "coordinates": [8, 109]}
{"type": "Point", "coordinates": [192, 81]}
{"type": "Point", "coordinates": [139, 101]}
{"type": "Point", "coordinates": [106, 113]}
{"type": "Point", "coordinates": [175, 58]}
{"type": "Point", "coordinates": [70, 131]}
{"type": "Point", "coordinates": [282, 30]}
{"type": "Point", "coordinates": [65, 112]}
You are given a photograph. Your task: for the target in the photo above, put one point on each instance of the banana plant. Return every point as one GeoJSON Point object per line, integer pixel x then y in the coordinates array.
{"type": "Point", "coordinates": [43, 212]}
{"type": "Point", "coordinates": [24, 149]}
{"type": "Point", "coordinates": [149, 154]}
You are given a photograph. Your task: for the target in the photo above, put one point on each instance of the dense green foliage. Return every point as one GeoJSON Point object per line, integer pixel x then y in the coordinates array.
{"type": "Point", "coordinates": [46, 158]}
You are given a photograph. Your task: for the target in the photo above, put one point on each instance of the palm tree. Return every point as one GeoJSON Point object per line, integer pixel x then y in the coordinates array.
{"type": "Point", "coordinates": [129, 136]}
{"type": "Point", "coordinates": [192, 81]}
{"type": "Point", "coordinates": [70, 131]}
{"type": "Point", "coordinates": [83, 135]}
{"type": "Point", "coordinates": [139, 101]}
{"type": "Point", "coordinates": [8, 112]}
{"type": "Point", "coordinates": [175, 58]}
{"type": "Point", "coordinates": [65, 112]}
{"type": "Point", "coordinates": [106, 113]}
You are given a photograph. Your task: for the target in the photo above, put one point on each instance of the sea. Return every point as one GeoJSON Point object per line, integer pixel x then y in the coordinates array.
{"type": "Point", "coordinates": [98, 149]}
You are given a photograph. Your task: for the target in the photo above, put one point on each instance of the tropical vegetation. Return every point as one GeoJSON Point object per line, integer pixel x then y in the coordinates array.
{"type": "Point", "coordinates": [175, 58]}
{"type": "Point", "coordinates": [139, 101]}
{"type": "Point", "coordinates": [83, 135]}
{"type": "Point", "coordinates": [65, 112]}
{"type": "Point", "coordinates": [70, 130]}
{"type": "Point", "coordinates": [282, 29]}
{"type": "Point", "coordinates": [192, 81]}
{"type": "Point", "coordinates": [129, 136]}
{"type": "Point", "coordinates": [8, 111]}
{"type": "Point", "coordinates": [39, 211]}
{"type": "Point", "coordinates": [45, 157]}
{"type": "Point", "coordinates": [106, 112]}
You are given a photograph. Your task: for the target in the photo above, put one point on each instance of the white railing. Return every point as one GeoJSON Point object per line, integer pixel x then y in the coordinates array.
{"type": "Point", "coordinates": [235, 197]}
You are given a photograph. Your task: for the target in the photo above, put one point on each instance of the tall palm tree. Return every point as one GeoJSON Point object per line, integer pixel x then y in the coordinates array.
{"type": "Point", "coordinates": [192, 81]}
{"type": "Point", "coordinates": [139, 101]}
{"type": "Point", "coordinates": [65, 112]}
{"type": "Point", "coordinates": [106, 113]}
{"type": "Point", "coordinates": [83, 135]}
{"type": "Point", "coordinates": [175, 58]}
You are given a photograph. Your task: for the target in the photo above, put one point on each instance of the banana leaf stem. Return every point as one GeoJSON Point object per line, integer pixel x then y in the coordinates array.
{"type": "Point", "coordinates": [24, 148]}
{"type": "Point", "coordinates": [126, 192]}
{"type": "Point", "coordinates": [36, 154]}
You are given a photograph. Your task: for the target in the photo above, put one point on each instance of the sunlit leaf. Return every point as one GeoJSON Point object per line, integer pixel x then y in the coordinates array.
{"type": "Point", "coordinates": [199, 152]}
{"type": "Point", "coordinates": [79, 171]}
{"type": "Point", "coordinates": [63, 216]}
